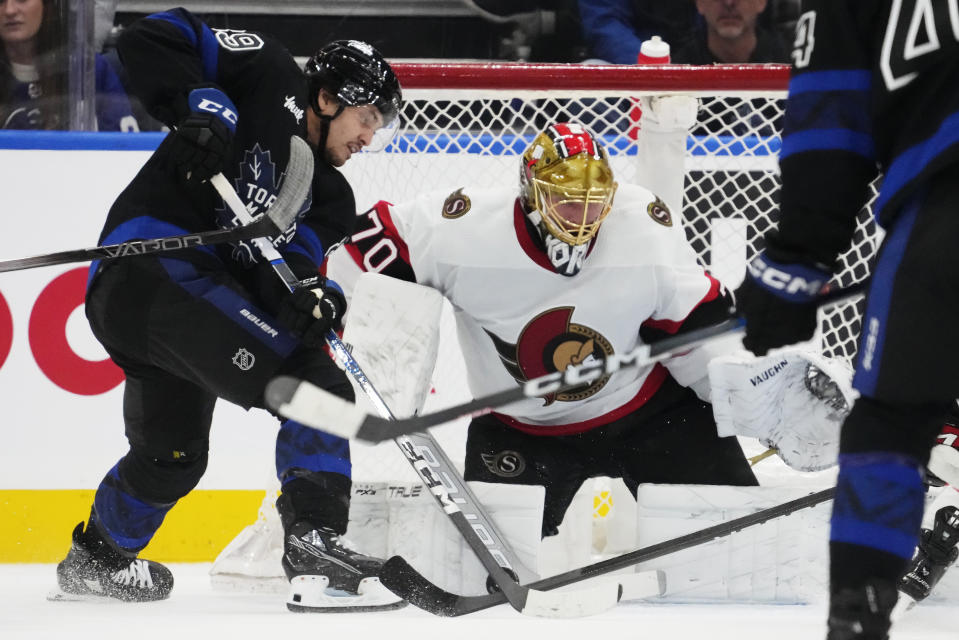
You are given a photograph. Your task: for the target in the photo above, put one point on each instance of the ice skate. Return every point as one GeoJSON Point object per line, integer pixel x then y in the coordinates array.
{"type": "Point", "coordinates": [937, 551]}
{"type": "Point", "coordinates": [862, 614]}
{"type": "Point", "coordinates": [326, 576]}
{"type": "Point", "coordinates": [96, 570]}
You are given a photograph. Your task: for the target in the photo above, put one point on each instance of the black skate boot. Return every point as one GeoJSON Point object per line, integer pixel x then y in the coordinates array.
{"type": "Point", "coordinates": [95, 569]}
{"type": "Point", "coordinates": [936, 552]}
{"type": "Point", "coordinates": [863, 613]}
{"type": "Point", "coordinates": [326, 575]}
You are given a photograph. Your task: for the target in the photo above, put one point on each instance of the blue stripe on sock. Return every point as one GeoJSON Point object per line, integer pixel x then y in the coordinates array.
{"type": "Point", "coordinates": [879, 502]}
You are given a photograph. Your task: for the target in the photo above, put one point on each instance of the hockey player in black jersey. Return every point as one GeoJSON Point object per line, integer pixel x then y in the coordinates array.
{"type": "Point", "coordinates": [875, 88]}
{"type": "Point", "coordinates": [200, 324]}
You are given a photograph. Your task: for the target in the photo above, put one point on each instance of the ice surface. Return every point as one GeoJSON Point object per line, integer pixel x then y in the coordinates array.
{"type": "Point", "coordinates": [195, 610]}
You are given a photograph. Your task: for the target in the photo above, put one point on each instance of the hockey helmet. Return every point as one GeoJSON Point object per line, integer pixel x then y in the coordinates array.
{"type": "Point", "coordinates": [566, 177]}
{"type": "Point", "coordinates": [357, 75]}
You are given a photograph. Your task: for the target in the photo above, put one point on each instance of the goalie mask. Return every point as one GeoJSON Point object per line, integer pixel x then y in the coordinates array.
{"type": "Point", "coordinates": [566, 179]}
{"type": "Point", "coordinates": [357, 75]}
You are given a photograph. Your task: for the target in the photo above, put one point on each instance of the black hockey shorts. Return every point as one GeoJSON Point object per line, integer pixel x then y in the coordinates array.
{"type": "Point", "coordinates": [670, 440]}
{"type": "Point", "coordinates": [909, 343]}
{"type": "Point", "coordinates": [184, 338]}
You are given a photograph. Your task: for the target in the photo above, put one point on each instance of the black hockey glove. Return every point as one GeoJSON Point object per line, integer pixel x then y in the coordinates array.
{"type": "Point", "coordinates": [311, 311]}
{"type": "Point", "coordinates": [204, 135]}
{"type": "Point", "coordinates": [779, 299]}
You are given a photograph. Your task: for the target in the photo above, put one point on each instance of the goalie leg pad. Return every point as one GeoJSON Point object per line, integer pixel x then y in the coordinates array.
{"type": "Point", "coordinates": [426, 538]}
{"type": "Point", "coordinates": [783, 561]}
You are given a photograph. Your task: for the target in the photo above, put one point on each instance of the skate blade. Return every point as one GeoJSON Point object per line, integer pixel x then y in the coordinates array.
{"type": "Point", "coordinates": [311, 594]}
{"type": "Point", "coordinates": [59, 595]}
{"type": "Point", "coordinates": [903, 605]}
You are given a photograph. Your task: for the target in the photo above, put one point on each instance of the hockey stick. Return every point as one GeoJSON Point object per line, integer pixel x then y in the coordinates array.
{"type": "Point", "coordinates": [525, 600]}
{"type": "Point", "coordinates": [406, 582]}
{"type": "Point", "coordinates": [277, 219]}
{"type": "Point", "coordinates": [305, 402]}
{"type": "Point", "coordinates": [269, 225]}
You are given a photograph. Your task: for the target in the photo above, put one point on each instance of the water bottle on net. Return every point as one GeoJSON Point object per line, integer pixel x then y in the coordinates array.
{"type": "Point", "coordinates": [652, 51]}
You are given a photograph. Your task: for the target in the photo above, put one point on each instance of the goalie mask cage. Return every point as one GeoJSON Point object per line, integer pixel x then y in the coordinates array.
{"type": "Point", "coordinates": [466, 124]}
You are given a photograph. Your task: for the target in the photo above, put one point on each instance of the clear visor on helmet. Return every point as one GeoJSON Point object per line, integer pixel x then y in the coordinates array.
{"type": "Point", "coordinates": [384, 135]}
{"type": "Point", "coordinates": [379, 132]}
{"type": "Point", "coordinates": [573, 213]}
{"type": "Point", "coordinates": [380, 116]}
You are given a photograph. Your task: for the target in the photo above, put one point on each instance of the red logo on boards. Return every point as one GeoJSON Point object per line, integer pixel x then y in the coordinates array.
{"type": "Point", "coordinates": [47, 333]}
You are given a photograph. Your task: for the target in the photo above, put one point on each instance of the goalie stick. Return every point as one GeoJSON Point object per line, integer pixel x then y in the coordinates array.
{"type": "Point", "coordinates": [306, 403]}
{"type": "Point", "coordinates": [525, 600]}
{"type": "Point", "coordinates": [406, 582]}
{"type": "Point", "coordinates": [277, 219]}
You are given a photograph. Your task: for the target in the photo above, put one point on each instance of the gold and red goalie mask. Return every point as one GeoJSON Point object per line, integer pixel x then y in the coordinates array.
{"type": "Point", "coordinates": [567, 178]}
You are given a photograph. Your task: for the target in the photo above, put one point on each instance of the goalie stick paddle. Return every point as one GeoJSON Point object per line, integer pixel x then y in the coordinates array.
{"type": "Point", "coordinates": [528, 601]}
{"type": "Point", "coordinates": [406, 582]}
{"type": "Point", "coordinates": [306, 403]}
{"type": "Point", "coordinates": [277, 219]}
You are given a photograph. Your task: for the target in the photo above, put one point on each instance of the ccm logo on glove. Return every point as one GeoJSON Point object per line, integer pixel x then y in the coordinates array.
{"type": "Point", "coordinates": [795, 282]}
{"type": "Point", "coordinates": [199, 102]}
{"type": "Point", "coordinates": [204, 136]}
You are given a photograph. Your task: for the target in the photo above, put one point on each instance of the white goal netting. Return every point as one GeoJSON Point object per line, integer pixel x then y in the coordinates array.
{"type": "Point", "coordinates": [467, 124]}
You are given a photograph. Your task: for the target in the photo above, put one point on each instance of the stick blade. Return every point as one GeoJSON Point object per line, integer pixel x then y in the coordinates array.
{"type": "Point", "coordinates": [313, 407]}
{"type": "Point", "coordinates": [402, 579]}
{"type": "Point", "coordinates": [297, 181]}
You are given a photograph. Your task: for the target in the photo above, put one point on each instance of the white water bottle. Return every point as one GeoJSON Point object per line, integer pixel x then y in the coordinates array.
{"type": "Point", "coordinates": [653, 51]}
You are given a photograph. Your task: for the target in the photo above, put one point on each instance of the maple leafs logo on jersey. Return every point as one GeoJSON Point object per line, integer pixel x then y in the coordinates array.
{"type": "Point", "coordinates": [551, 342]}
{"type": "Point", "coordinates": [257, 185]}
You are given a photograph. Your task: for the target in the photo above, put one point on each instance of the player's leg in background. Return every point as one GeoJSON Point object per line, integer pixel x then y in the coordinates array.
{"type": "Point", "coordinates": [906, 375]}
{"type": "Point", "coordinates": [937, 549]}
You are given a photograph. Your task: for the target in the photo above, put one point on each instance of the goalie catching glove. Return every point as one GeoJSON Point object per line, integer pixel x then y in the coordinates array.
{"type": "Point", "coordinates": [793, 401]}
{"type": "Point", "coordinates": [312, 310]}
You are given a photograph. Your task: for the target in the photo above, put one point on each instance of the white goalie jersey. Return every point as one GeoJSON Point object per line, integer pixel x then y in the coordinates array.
{"type": "Point", "coordinates": [518, 319]}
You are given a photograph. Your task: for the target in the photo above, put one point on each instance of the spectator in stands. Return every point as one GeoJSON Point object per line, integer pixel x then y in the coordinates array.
{"type": "Point", "coordinates": [615, 29]}
{"type": "Point", "coordinates": [34, 72]}
{"type": "Point", "coordinates": [730, 33]}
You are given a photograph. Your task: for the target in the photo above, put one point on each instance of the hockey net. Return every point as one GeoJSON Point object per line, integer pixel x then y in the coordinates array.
{"type": "Point", "coordinates": [466, 124]}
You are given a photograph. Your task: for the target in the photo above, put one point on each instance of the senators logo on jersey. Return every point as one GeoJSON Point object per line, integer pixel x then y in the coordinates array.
{"type": "Point", "coordinates": [457, 204]}
{"type": "Point", "coordinates": [658, 211]}
{"type": "Point", "coordinates": [551, 342]}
